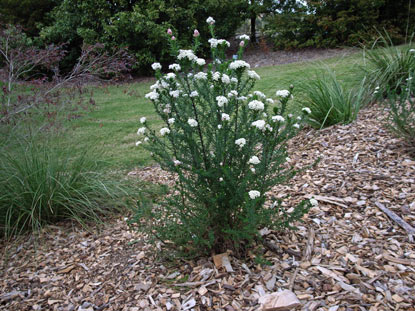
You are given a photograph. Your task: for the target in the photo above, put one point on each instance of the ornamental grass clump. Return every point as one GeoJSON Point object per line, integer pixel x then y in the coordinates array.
{"type": "Point", "coordinates": [226, 145]}
{"type": "Point", "coordinates": [401, 117]}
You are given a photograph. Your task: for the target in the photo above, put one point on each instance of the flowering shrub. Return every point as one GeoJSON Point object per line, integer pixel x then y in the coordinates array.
{"type": "Point", "coordinates": [226, 148]}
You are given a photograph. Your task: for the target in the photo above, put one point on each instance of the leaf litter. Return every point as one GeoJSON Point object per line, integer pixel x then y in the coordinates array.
{"type": "Point", "coordinates": [349, 253]}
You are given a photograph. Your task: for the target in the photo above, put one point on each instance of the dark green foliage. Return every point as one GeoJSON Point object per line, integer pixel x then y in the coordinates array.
{"type": "Point", "coordinates": [338, 22]}
{"type": "Point", "coordinates": [30, 14]}
{"type": "Point", "coordinates": [330, 103]}
{"type": "Point", "coordinates": [140, 25]}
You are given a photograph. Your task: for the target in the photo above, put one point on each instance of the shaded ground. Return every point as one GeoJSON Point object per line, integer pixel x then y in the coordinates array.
{"type": "Point", "coordinates": [346, 255]}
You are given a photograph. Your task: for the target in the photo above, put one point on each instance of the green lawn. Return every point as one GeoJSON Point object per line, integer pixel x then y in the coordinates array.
{"type": "Point", "coordinates": [114, 122]}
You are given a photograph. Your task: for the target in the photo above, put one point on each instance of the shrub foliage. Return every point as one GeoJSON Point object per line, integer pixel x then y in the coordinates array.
{"type": "Point", "coordinates": [226, 148]}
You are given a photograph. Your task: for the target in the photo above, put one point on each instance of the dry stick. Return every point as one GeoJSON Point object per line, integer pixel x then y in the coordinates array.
{"type": "Point", "coordinates": [292, 281]}
{"type": "Point", "coordinates": [408, 228]}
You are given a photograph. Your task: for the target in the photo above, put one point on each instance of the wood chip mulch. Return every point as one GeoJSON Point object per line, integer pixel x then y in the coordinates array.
{"type": "Point", "coordinates": [348, 254]}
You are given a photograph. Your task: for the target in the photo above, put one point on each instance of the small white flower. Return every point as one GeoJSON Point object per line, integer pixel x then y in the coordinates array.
{"type": "Point", "coordinates": [277, 118]}
{"type": "Point", "coordinates": [412, 51]}
{"type": "Point", "coordinates": [254, 160]}
{"type": "Point", "coordinates": [156, 66]}
{"type": "Point", "coordinates": [288, 159]}
{"type": "Point", "coordinates": [313, 202]}
{"type": "Point", "coordinates": [183, 54]}
{"type": "Point", "coordinates": [164, 131]}
{"type": "Point", "coordinates": [194, 94]}
{"type": "Point", "coordinates": [167, 108]}
{"type": "Point", "coordinates": [143, 120]}
{"type": "Point", "coordinates": [226, 79]}
{"type": "Point", "coordinates": [306, 110]}
{"type": "Point", "coordinates": [141, 131]}
{"type": "Point", "coordinates": [259, 124]}
{"type": "Point", "coordinates": [192, 122]}
{"type": "Point", "coordinates": [170, 75]}
{"type": "Point", "coordinates": [201, 76]}
{"type": "Point", "coordinates": [290, 115]}
{"type": "Point", "coordinates": [200, 61]}
{"type": "Point", "coordinates": [152, 95]}
{"type": "Point", "coordinates": [216, 76]}
{"type": "Point", "coordinates": [236, 64]}
{"type": "Point", "coordinates": [175, 67]}
{"type": "Point", "coordinates": [409, 79]}
{"type": "Point", "coordinates": [253, 75]}
{"type": "Point", "coordinates": [234, 80]}
{"type": "Point", "coordinates": [219, 126]}
{"type": "Point", "coordinates": [138, 143]}
{"type": "Point", "coordinates": [259, 94]}
{"type": "Point", "coordinates": [189, 75]}
{"type": "Point", "coordinates": [210, 20]}
{"type": "Point", "coordinates": [233, 93]}
{"type": "Point", "coordinates": [171, 121]}
{"type": "Point", "coordinates": [269, 127]}
{"type": "Point", "coordinates": [240, 142]}
{"type": "Point", "coordinates": [256, 105]}
{"type": "Point", "coordinates": [146, 139]}
{"type": "Point", "coordinates": [225, 117]}
{"type": "Point", "coordinates": [175, 93]}
{"type": "Point", "coordinates": [222, 100]}
{"type": "Point", "coordinates": [299, 118]}
{"type": "Point", "coordinates": [242, 98]}
{"type": "Point", "coordinates": [253, 194]}
{"type": "Point", "coordinates": [270, 101]}
{"type": "Point", "coordinates": [177, 162]}
{"type": "Point", "coordinates": [215, 42]}
{"type": "Point", "coordinates": [244, 37]}
{"type": "Point", "coordinates": [253, 170]}
{"type": "Point", "coordinates": [296, 125]}
{"type": "Point", "coordinates": [220, 179]}
{"type": "Point", "coordinates": [283, 93]}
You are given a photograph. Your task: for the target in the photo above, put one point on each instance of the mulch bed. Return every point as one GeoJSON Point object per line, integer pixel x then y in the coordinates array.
{"type": "Point", "coordinates": [346, 255]}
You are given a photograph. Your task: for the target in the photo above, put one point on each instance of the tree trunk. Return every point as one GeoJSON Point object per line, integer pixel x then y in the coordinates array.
{"type": "Point", "coordinates": [253, 28]}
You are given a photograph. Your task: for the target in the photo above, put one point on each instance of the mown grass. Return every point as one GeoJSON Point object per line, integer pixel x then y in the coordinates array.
{"type": "Point", "coordinates": [114, 121]}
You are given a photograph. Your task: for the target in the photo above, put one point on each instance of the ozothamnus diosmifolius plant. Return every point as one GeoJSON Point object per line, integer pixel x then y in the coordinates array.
{"type": "Point", "coordinates": [226, 148]}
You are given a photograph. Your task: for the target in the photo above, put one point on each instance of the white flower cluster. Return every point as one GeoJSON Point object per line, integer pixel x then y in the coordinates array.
{"type": "Point", "coordinates": [306, 110]}
{"type": "Point", "coordinates": [194, 94]}
{"type": "Point", "coordinates": [192, 122]}
{"type": "Point", "coordinates": [254, 160]}
{"type": "Point", "coordinates": [283, 93]}
{"type": "Point", "coordinates": [170, 76]}
{"type": "Point", "coordinates": [244, 37]}
{"type": "Point", "coordinates": [200, 61]}
{"type": "Point", "coordinates": [186, 54]}
{"type": "Point", "coordinates": [236, 64]}
{"type": "Point", "coordinates": [201, 76]}
{"type": "Point", "coordinates": [240, 142]}
{"type": "Point", "coordinates": [141, 131]}
{"type": "Point", "coordinates": [225, 117]}
{"type": "Point", "coordinates": [221, 100]}
{"type": "Point", "coordinates": [278, 118]}
{"type": "Point", "coordinates": [175, 67]}
{"type": "Point", "coordinates": [253, 75]}
{"type": "Point", "coordinates": [259, 124]}
{"type": "Point", "coordinates": [226, 79]}
{"type": "Point", "coordinates": [152, 96]}
{"type": "Point", "coordinates": [256, 105]}
{"type": "Point", "coordinates": [143, 120]}
{"type": "Point", "coordinates": [210, 20]}
{"type": "Point", "coordinates": [164, 131]}
{"type": "Point", "coordinates": [156, 66]}
{"type": "Point", "coordinates": [215, 42]}
{"type": "Point", "coordinates": [259, 94]}
{"type": "Point", "coordinates": [175, 93]}
{"type": "Point", "coordinates": [171, 121]}
{"type": "Point", "coordinates": [253, 194]}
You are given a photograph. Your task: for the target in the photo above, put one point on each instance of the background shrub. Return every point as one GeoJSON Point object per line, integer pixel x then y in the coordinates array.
{"type": "Point", "coordinates": [330, 103]}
